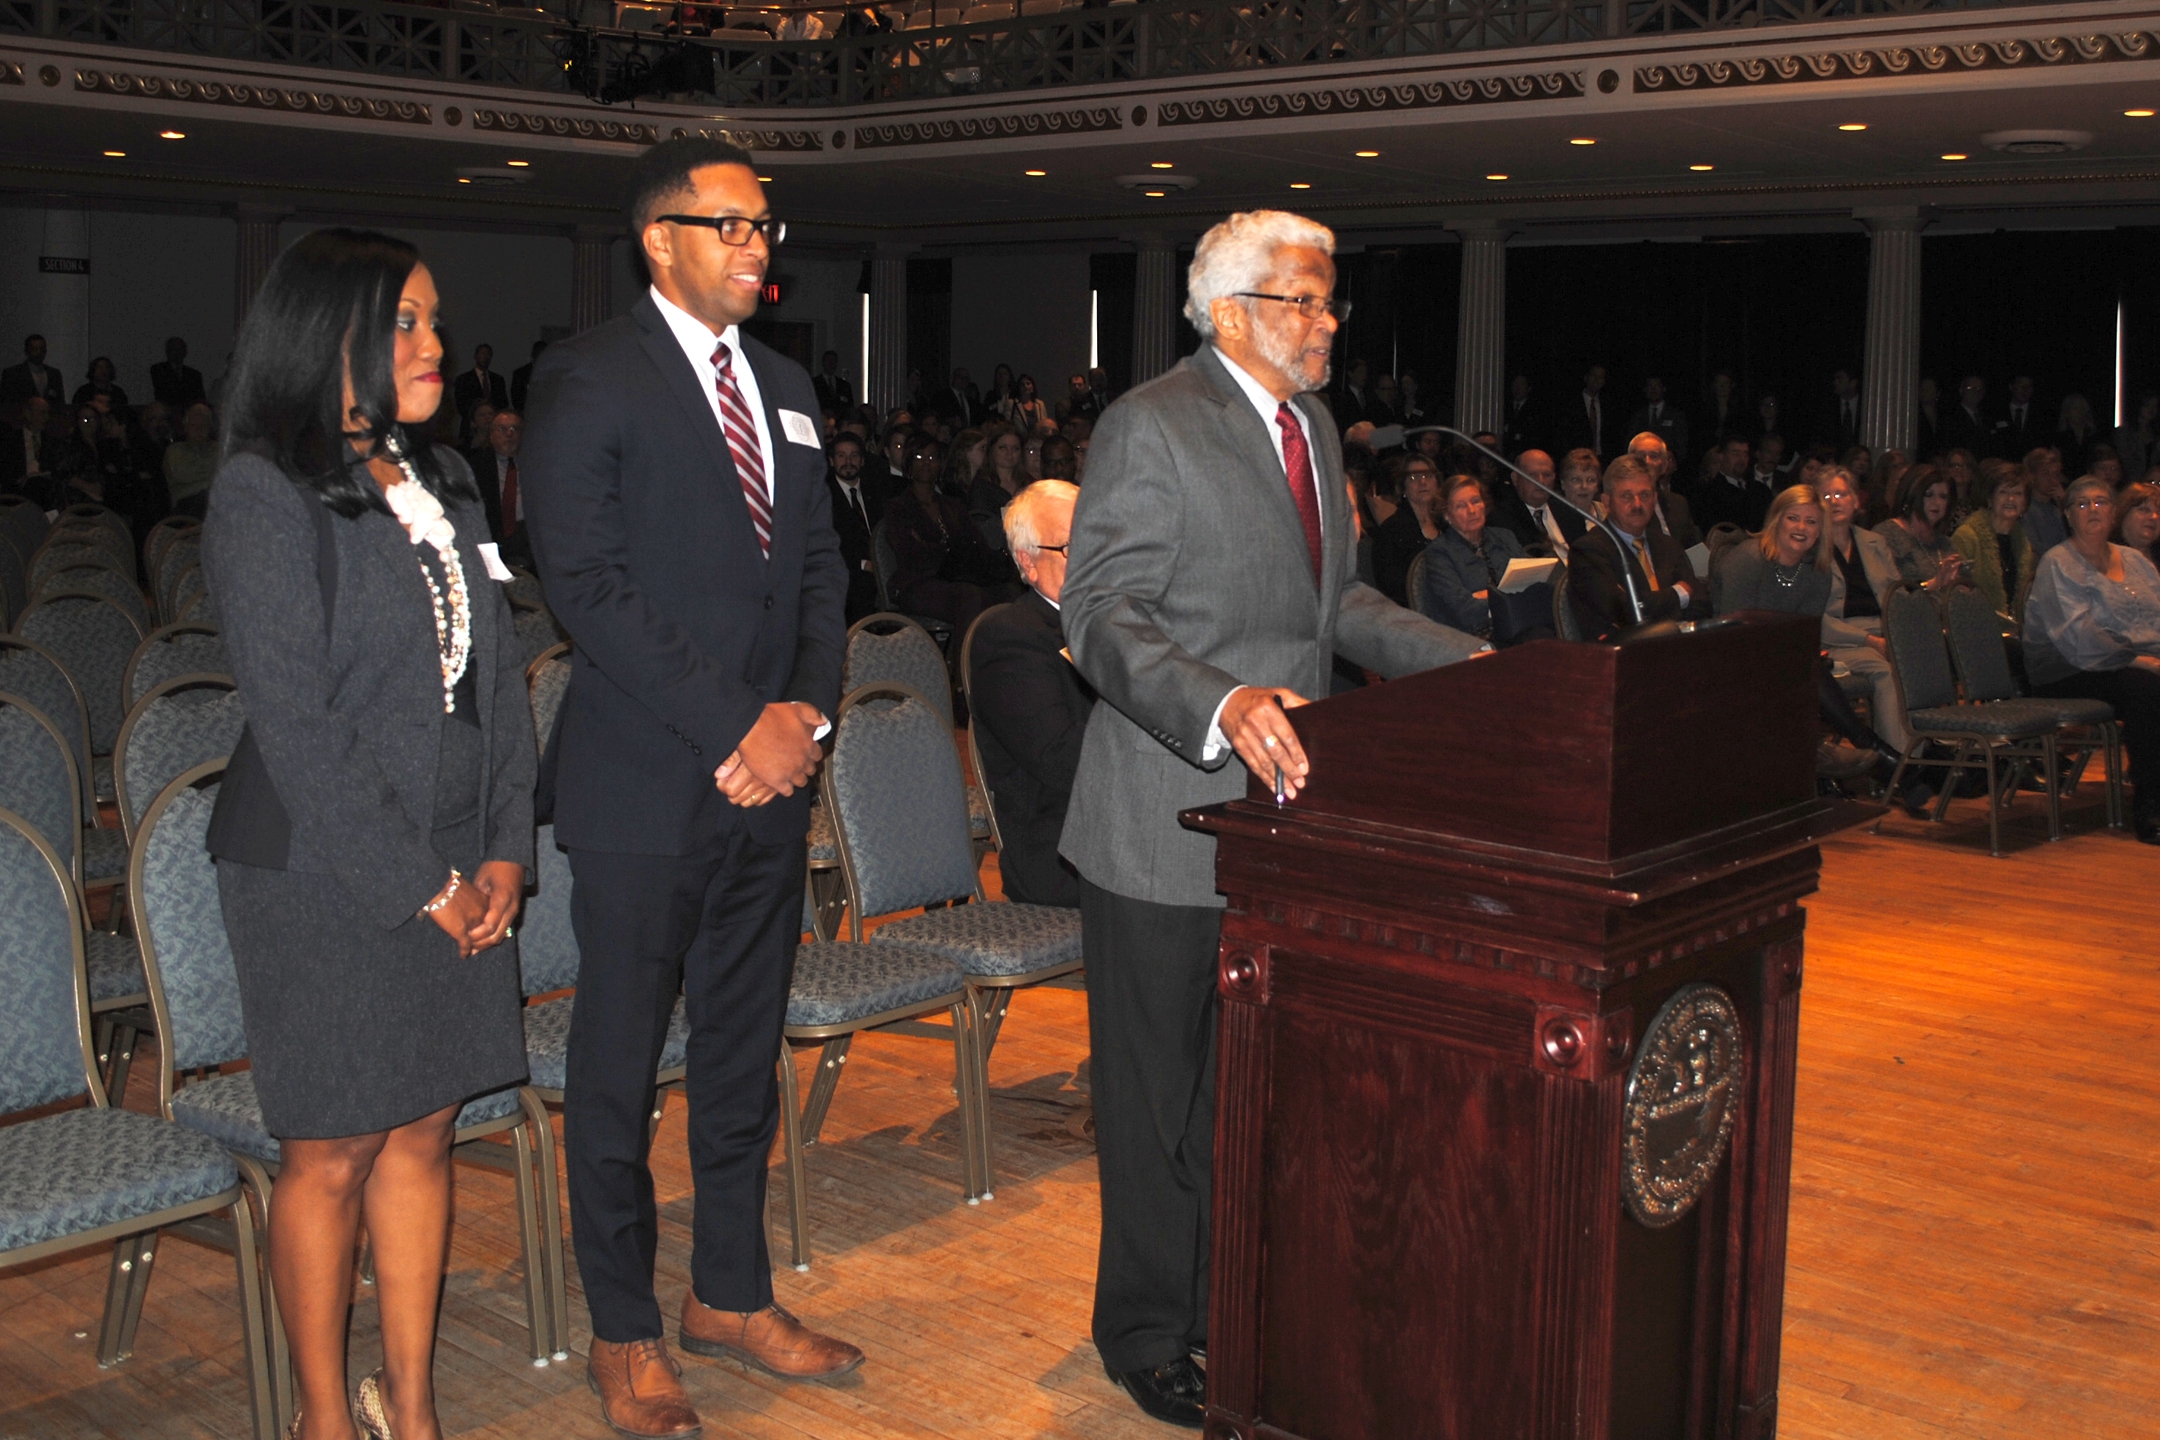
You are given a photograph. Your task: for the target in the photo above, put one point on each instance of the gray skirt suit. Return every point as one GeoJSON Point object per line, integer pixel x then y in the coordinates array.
{"type": "Point", "coordinates": [359, 1014]}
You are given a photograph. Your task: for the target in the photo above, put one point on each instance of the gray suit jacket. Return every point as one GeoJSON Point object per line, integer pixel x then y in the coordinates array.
{"type": "Point", "coordinates": [1189, 576]}
{"type": "Point", "coordinates": [350, 723]}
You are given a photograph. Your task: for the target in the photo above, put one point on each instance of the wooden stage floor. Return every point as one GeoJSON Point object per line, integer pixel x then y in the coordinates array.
{"type": "Point", "coordinates": [1973, 1220]}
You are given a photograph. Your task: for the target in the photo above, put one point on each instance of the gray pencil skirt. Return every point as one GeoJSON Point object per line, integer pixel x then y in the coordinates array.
{"type": "Point", "coordinates": [353, 1029]}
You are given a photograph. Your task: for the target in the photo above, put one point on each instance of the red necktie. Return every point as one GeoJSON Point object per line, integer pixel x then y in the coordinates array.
{"type": "Point", "coordinates": [509, 500]}
{"type": "Point", "coordinates": [743, 445]}
{"type": "Point", "coordinates": [1297, 464]}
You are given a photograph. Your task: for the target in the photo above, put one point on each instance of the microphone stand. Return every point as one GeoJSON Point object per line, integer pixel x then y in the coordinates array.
{"type": "Point", "coordinates": [1612, 531]}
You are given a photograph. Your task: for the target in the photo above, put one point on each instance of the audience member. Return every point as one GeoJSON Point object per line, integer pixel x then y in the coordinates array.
{"type": "Point", "coordinates": [479, 422]}
{"type": "Point", "coordinates": [1884, 483]}
{"type": "Point", "coordinates": [1673, 514]}
{"type": "Point", "coordinates": [1414, 525]}
{"type": "Point", "coordinates": [1995, 545]}
{"type": "Point", "coordinates": [173, 381]}
{"type": "Point", "coordinates": [1356, 401]}
{"type": "Point", "coordinates": [1581, 482]}
{"type": "Point", "coordinates": [1660, 417]}
{"type": "Point", "coordinates": [1587, 427]}
{"type": "Point", "coordinates": [1080, 400]}
{"type": "Point", "coordinates": [1928, 434]}
{"type": "Point", "coordinates": [1918, 532]}
{"type": "Point", "coordinates": [2092, 630]}
{"type": "Point", "coordinates": [1031, 454]}
{"type": "Point", "coordinates": [375, 827]}
{"type": "Point", "coordinates": [1963, 468]}
{"type": "Point", "coordinates": [1002, 476]}
{"type": "Point", "coordinates": [1030, 705]}
{"type": "Point", "coordinates": [1840, 427]}
{"type": "Point", "coordinates": [1967, 425]}
{"type": "Point", "coordinates": [2021, 428]}
{"type": "Point", "coordinates": [1002, 391]}
{"type": "Point", "coordinates": [1862, 573]}
{"type": "Point", "coordinates": [941, 565]}
{"type": "Point", "coordinates": [99, 388]}
{"type": "Point", "coordinates": [2137, 519]}
{"type": "Point", "coordinates": [190, 463]}
{"type": "Point", "coordinates": [1737, 494]}
{"type": "Point", "coordinates": [1463, 570]}
{"type": "Point", "coordinates": [33, 377]}
{"type": "Point", "coordinates": [1767, 414]}
{"type": "Point", "coordinates": [961, 401]}
{"type": "Point", "coordinates": [1059, 460]}
{"type": "Point", "coordinates": [965, 456]}
{"type": "Point", "coordinates": [2103, 463]}
{"type": "Point", "coordinates": [1026, 410]}
{"type": "Point", "coordinates": [856, 510]}
{"type": "Point", "coordinates": [2044, 521]}
{"type": "Point", "coordinates": [834, 393]}
{"type": "Point", "coordinates": [2137, 440]}
{"type": "Point", "coordinates": [1599, 575]}
{"type": "Point", "coordinates": [30, 458]}
{"type": "Point", "coordinates": [1721, 411]}
{"type": "Point", "coordinates": [1544, 525]}
{"type": "Point", "coordinates": [1413, 409]}
{"type": "Point", "coordinates": [1519, 425]}
{"type": "Point", "coordinates": [521, 378]}
{"type": "Point", "coordinates": [476, 386]}
{"type": "Point", "coordinates": [495, 469]}
{"type": "Point", "coordinates": [2075, 434]}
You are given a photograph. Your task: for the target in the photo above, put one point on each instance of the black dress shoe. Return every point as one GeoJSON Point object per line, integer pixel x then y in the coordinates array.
{"type": "Point", "coordinates": [2148, 830]}
{"type": "Point", "coordinates": [1175, 1393]}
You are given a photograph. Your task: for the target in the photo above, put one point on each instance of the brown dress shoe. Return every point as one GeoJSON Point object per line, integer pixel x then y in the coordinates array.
{"type": "Point", "coordinates": [770, 1339]}
{"type": "Point", "coordinates": [641, 1390]}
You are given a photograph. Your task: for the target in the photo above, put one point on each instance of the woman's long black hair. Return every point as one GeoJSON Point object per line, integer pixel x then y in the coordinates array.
{"type": "Point", "coordinates": [331, 299]}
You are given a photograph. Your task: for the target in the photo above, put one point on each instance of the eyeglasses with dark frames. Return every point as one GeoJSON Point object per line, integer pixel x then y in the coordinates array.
{"type": "Point", "coordinates": [1055, 549]}
{"type": "Point", "coordinates": [734, 229]}
{"type": "Point", "coordinates": [1310, 307]}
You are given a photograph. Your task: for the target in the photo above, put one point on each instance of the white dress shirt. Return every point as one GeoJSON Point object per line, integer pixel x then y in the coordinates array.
{"type": "Point", "coordinates": [697, 341]}
{"type": "Point", "coordinates": [1268, 406]}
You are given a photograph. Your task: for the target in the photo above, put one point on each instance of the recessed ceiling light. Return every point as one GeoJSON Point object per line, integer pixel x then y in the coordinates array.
{"type": "Point", "coordinates": [2139, 114]}
{"type": "Point", "coordinates": [1496, 177]}
{"type": "Point", "coordinates": [1035, 172]}
{"type": "Point", "coordinates": [1956, 157]}
{"type": "Point", "coordinates": [764, 179]}
{"type": "Point", "coordinates": [520, 164]}
{"type": "Point", "coordinates": [1582, 140]}
{"type": "Point", "coordinates": [117, 154]}
{"type": "Point", "coordinates": [1702, 167]}
{"type": "Point", "coordinates": [1852, 127]}
{"type": "Point", "coordinates": [1368, 154]}
{"type": "Point", "coordinates": [172, 135]}
{"type": "Point", "coordinates": [464, 179]}
{"type": "Point", "coordinates": [1300, 185]}
{"type": "Point", "coordinates": [1162, 164]}
{"type": "Point", "coordinates": [1156, 194]}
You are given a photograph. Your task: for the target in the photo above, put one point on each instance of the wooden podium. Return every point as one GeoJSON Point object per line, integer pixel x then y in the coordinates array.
{"type": "Point", "coordinates": [1510, 996]}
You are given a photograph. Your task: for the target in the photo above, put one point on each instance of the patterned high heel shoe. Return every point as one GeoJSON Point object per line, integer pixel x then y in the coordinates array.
{"type": "Point", "coordinates": [369, 1413]}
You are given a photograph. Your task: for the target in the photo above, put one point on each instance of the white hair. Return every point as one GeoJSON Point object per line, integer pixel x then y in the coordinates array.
{"type": "Point", "coordinates": [1239, 253]}
{"type": "Point", "coordinates": [1021, 536]}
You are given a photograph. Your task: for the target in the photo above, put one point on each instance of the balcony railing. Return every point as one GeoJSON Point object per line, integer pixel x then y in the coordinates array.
{"type": "Point", "coordinates": [532, 51]}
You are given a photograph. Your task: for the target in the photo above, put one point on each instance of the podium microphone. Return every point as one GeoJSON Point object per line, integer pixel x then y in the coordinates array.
{"type": "Point", "coordinates": [1612, 531]}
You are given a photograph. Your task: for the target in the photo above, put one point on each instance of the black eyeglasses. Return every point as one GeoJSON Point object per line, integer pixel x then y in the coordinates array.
{"type": "Point", "coordinates": [1311, 307]}
{"type": "Point", "coordinates": [1055, 549]}
{"type": "Point", "coordinates": [734, 229]}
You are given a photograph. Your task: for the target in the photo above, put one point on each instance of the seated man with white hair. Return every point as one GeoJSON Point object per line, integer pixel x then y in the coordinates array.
{"type": "Point", "coordinates": [1031, 706]}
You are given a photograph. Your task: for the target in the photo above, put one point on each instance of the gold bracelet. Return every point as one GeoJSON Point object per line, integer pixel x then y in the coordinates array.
{"type": "Point", "coordinates": [448, 890]}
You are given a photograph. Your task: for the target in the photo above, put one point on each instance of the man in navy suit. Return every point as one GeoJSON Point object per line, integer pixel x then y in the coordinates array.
{"type": "Point", "coordinates": [675, 491]}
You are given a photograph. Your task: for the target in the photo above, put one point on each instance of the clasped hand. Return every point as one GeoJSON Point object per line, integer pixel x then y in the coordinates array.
{"type": "Point", "coordinates": [777, 756]}
{"type": "Point", "coordinates": [479, 911]}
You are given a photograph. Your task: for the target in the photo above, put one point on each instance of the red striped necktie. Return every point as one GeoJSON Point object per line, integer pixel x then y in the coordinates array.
{"type": "Point", "coordinates": [743, 445]}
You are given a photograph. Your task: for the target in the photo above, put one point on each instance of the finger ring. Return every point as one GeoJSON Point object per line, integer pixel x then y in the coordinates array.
{"type": "Point", "coordinates": [1268, 740]}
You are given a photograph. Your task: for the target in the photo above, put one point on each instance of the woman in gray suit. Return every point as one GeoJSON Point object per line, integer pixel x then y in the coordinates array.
{"type": "Point", "coordinates": [375, 826]}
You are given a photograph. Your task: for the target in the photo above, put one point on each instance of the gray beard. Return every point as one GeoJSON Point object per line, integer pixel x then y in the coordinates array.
{"type": "Point", "coordinates": [1289, 359]}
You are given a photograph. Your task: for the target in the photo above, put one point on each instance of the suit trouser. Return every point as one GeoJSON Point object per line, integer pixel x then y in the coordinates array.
{"type": "Point", "coordinates": [720, 927]}
{"type": "Point", "coordinates": [1151, 1019]}
{"type": "Point", "coordinates": [1886, 708]}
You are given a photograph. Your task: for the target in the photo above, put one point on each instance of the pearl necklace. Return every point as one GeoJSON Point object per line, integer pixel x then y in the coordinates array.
{"type": "Point", "coordinates": [422, 516]}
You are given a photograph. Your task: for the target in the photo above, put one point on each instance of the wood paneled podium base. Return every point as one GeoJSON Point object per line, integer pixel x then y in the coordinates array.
{"type": "Point", "coordinates": [1438, 1210]}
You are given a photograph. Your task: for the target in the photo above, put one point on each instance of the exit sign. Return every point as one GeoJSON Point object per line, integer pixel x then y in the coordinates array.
{"type": "Point", "coordinates": [769, 294]}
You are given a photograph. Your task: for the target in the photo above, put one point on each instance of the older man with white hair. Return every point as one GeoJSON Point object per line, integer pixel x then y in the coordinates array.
{"type": "Point", "coordinates": [1030, 705]}
{"type": "Point", "coordinates": [1213, 579]}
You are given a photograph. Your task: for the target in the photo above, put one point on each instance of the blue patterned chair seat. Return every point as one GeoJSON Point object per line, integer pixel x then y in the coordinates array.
{"type": "Point", "coordinates": [2001, 719]}
{"type": "Point", "coordinates": [547, 1042]}
{"type": "Point", "coordinates": [104, 854]}
{"type": "Point", "coordinates": [83, 1169]}
{"type": "Point", "coordinates": [997, 939]}
{"type": "Point", "coordinates": [824, 844]}
{"type": "Point", "coordinates": [836, 982]}
{"type": "Point", "coordinates": [2070, 711]}
{"type": "Point", "coordinates": [115, 965]}
{"type": "Point", "coordinates": [978, 812]}
{"type": "Point", "coordinates": [225, 1108]}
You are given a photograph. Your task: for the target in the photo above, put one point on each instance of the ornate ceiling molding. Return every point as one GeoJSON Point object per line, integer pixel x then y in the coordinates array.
{"type": "Point", "coordinates": [781, 140]}
{"type": "Point", "coordinates": [11, 73]}
{"type": "Point", "coordinates": [526, 122]}
{"type": "Point", "coordinates": [990, 127]}
{"type": "Point", "coordinates": [1899, 60]}
{"type": "Point", "coordinates": [254, 97]}
{"type": "Point", "coordinates": [1365, 99]}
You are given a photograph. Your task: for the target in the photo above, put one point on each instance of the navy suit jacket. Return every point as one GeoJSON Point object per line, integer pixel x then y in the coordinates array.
{"type": "Point", "coordinates": [682, 630]}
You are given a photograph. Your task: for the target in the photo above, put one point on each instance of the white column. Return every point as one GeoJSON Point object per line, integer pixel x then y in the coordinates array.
{"type": "Point", "coordinates": [1890, 370]}
{"type": "Point", "coordinates": [592, 276]}
{"type": "Point", "coordinates": [1481, 327]}
{"type": "Point", "coordinates": [255, 250]}
{"type": "Point", "coordinates": [1154, 334]}
{"type": "Point", "coordinates": [888, 328]}
{"type": "Point", "coordinates": [62, 306]}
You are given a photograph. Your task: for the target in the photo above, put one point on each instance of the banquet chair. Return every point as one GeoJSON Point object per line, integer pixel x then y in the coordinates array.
{"type": "Point", "coordinates": [892, 646]}
{"type": "Point", "coordinates": [177, 726]}
{"type": "Point", "coordinates": [93, 637]}
{"type": "Point", "coordinates": [98, 580]}
{"type": "Point", "coordinates": [176, 649]}
{"type": "Point", "coordinates": [96, 1173]}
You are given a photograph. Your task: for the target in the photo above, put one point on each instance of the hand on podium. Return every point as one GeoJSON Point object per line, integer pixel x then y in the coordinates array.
{"type": "Point", "coordinates": [1256, 727]}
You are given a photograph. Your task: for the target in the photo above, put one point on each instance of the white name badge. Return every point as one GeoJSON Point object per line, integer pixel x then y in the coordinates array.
{"type": "Point", "coordinates": [801, 429]}
{"type": "Point", "coordinates": [491, 556]}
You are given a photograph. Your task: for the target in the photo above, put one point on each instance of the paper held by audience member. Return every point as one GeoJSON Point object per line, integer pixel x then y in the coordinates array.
{"type": "Point", "coordinates": [1699, 557]}
{"type": "Point", "coordinates": [1522, 574]}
